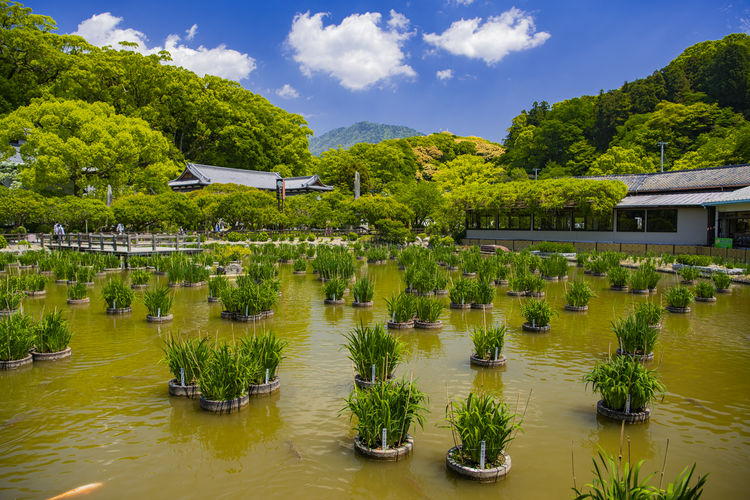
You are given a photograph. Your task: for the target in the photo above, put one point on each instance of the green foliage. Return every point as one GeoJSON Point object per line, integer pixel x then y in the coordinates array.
{"type": "Point", "coordinates": [78, 291]}
{"type": "Point", "coordinates": [334, 288]}
{"type": "Point", "coordinates": [553, 247]}
{"type": "Point", "coordinates": [394, 406]}
{"type": "Point", "coordinates": [216, 285]}
{"type": "Point", "coordinates": [678, 296]}
{"type": "Point", "coordinates": [35, 282]}
{"type": "Point", "coordinates": [227, 373]}
{"type": "Point", "coordinates": [481, 418]}
{"type": "Point", "coordinates": [488, 338]}
{"type": "Point", "coordinates": [3, 242]}
{"type": "Point", "coordinates": [554, 266]}
{"type": "Point", "coordinates": [618, 276]}
{"type": "Point", "coordinates": [648, 312]}
{"type": "Point", "coordinates": [579, 293]}
{"type": "Point", "coordinates": [363, 289]}
{"type": "Point", "coordinates": [16, 337]}
{"type": "Point", "coordinates": [484, 292]}
{"type": "Point", "coordinates": [300, 265]}
{"type": "Point", "coordinates": [52, 333]}
{"type": "Point", "coordinates": [705, 290]}
{"type": "Point", "coordinates": [428, 309]}
{"type": "Point", "coordinates": [188, 354]}
{"type": "Point", "coordinates": [635, 335]}
{"type": "Point", "coordinates": [689, 273]}
{"type": "Point", "coordinates": [372, 345]}
{"type": "Point", "coordinates": [117, 294]}
{"type": "Point", "coordinates": [694, 260]}
{"type": "Point", "coordinates": [537, 312]}
{"type": "Point", "coordinates": [462, 291]}
{"type": "Point", "coordinates": [140, 277]}
{"type": "Point", "coordinates": [621, 376]}
{"type": "Point", "coordinates": [401, 307]}
{"type": "Point", "coordinates": [158, 300]}
{"type": "Point", "coordinates": [721, 280]}
{"type": "Point", "coordinates": [266, 350]}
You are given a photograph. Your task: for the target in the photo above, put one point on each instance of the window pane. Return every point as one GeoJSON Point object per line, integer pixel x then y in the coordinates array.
{"type": "Point", "coordinates": [662, 221]}
{"type": "Point", "coordinates": [631, 220]}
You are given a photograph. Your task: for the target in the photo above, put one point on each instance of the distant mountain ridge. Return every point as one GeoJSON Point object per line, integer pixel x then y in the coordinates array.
{"type": "Point", "coordinates": [369, 132]}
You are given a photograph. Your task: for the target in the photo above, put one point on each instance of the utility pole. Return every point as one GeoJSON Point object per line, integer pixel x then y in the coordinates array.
{"type": "Point", "coordinates": [535, 172]}
{"type": "Point", "coordinates": [662, 144]}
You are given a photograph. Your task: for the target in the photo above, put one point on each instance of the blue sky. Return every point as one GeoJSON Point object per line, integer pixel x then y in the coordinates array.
{"type": "Point", "coordinates": [466, 66]}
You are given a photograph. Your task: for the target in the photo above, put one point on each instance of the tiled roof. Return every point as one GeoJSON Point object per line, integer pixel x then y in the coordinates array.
{"type": "Point", "coordinates": [670, 200]}
{"type": "Point", "coordinates": [731, 176]}
{"type": "Point", "coordinates": [209, 174]}
{"type": "Point", "coordinates": [738, 196]}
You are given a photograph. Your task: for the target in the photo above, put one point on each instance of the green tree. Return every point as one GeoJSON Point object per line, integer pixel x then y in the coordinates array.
{"type": "Point", "coordinates": [423, 198]}
{"type": "Point", "coordinates": [467, 170]}
{"type": "Point", "coordinates": [618, 160]}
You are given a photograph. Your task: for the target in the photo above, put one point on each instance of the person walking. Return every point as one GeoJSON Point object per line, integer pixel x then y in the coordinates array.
{"type": "Point", "coordinates": [120, 228]}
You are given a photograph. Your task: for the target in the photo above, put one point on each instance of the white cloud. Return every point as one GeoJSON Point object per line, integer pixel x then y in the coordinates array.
{"type": "Point", "coordinates": [492, 40]}
{"type": "Point", "coordinates": [357, 52]}
{"type": "Point", "coordinates": [445, 74]}
{"type": "Point", "coordinates": [745, 24]}
{"type": "Point", "coordinates": [287, 92]}
{"type": "Point", "coordinates": [464, 2]}
{"type": "Point", "coordinates": [102, 29]}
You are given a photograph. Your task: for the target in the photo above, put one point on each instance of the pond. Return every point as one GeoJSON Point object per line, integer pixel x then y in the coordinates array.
{"type": "Point", "coordinates": [104, 415]}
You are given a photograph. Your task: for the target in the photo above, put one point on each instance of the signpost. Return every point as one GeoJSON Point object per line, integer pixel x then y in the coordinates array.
{"type": "Point", "coordinates": [723, 242]}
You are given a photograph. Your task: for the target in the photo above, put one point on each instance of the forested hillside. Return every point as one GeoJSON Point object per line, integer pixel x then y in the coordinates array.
{"type": "Point", "coordinates": [699, 104]}
{"type": "Point", "coordinates": [347, 137]}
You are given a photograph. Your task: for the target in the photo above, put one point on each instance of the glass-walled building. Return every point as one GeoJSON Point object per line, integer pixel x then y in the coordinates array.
{"type": "Point", "coordinates": [687, 207]}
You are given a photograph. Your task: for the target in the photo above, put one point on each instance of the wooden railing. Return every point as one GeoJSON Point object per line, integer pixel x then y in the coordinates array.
{"type": "Point", "coordinates": [130, 243]}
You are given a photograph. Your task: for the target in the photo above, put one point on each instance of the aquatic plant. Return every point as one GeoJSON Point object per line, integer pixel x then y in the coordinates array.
{"type": "Point", "coordinates": [649, 312]}
{"type": "Point", "coordinates": [635, 335]}
{"type": "Point", "coordinates": [363, 289]}
{"type": "Point", "coordinates": [266, 352]}
{"type": "Point", "coordinates": [488, 341]}
{"type": "Point", "coordinates": [140, 277]}
{"type": "Point", "coordinates": [688, 273]}
{"type": "Point", "coordinates": [721, 280]}
{"type": "Point", "coordinates": [334, 288]}
{"type": "Point", "coordinates": [678, 296]}
{"type": "Point", "coordinates": [300, 265]}
{"type": "Point", "coordinates": [370, 346]}
{"type": "Point", "coordinates": [227, 373]}
{"type": "Point", "coordinates": [618, 276]}
{"type": "Point", "coordinates": [52, 333]}
{"type": "Point", "coordinates": [158, 301]}
{"type": "Point", "coordinates": [35, 282]}
{"type": "Point", "coordinates": [117, 294]}
{"type": "Point", "coordinates": [428, 309]}
{"type": "Point", "coordinates": [16, 337]}
{"type": "Point", "coordinates": [621, 378]}
{"type": "Point", "coordinates": [216, 285]}
{"type": "Point", "coordinates": [579, 293]}
{"type": "Point", "coordinates": [462, 291]}
{"type": "Point", "coordinates": [705, 290]}
{"type": "Point", "coordinates": [537, 312]}
{"type": "Point", "coordinates": [78, 291]}
{"type": "Point", "coordinates": [401, 307]}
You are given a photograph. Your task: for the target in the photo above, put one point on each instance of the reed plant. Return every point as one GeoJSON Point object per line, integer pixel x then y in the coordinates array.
{"type": "Point", "coordinates": [195, 273]}
{"type": "Point", "coordinates": [649, 312]}
{"type": "Point", "coordinates": [334, 288]}
{"type": "Point", "coordinates": [158, 301]}
{"type": "Point", "coordinates": [363, 289]}
{"type": "Point", "coordinates": [35, 282]}
{"type": "Point", "coordinates": [462, 291]}
{"type": "Point", "coordinates": [579, 293]}
{"type": "Point", "coordinates": [689, 273]}
{"type": "Point", "coordinates": [618, 276]}
{"type": "Point", "coordinates": [227, 373]}
{"type": "Point", "coordinates": [678, 296]}
{"type": "Point", "coordinates": [140, 277]}
{"type": "Point", "coordinates": [537, 312]}
{"type": "Point", "coordinates": [300, 265]}
{"type": "Point", "coordinates": [721, 280]}
{"type": "Point", "coordinates": [635, 335]}
{"type": "Point", "coordinates": [370, 346]}
{"type": "Point", "coordinates": [620, 378]}
{"type": "Point", "coordinates": [77, 291]}
{"type": "Point", "coordinates": [488, 341]}
{"type": "Point", "coordinates": [16, 337]}
{"type": "Point", "coordinates": [533, 283]}
{"type": "Point", "coordinates": [484, 292]}
{"type": "Point", "coordinates": [470, 261]}
{"type": "Point", "coordinates": [705, 290]}
{"type": "Point", "coordinates": [597, 265]}
{"type": "Point", "coordinates": [554, 266]}
{"type": "Point", "coordinates": [117, 294]}
{"type": "Point", "coordinates": [428, 310]}
{"type": "Point", "coordinates": [481, 418]}
{"type": "Point", "coordinates": [216, 285]}
{"type": "Point", "coordinates": [401, 307]}
{"type": "Point", "coordinates": [84, 274]}
{"type": "Point", "coordinates": [394, 406]}
{"type": "Point", "coordinates": [639, 280]}
{"type": "Point", "coordinates": [517, 281]}
{"type": "Point", "coordinates": [10, 299]}
{"type": "Point", "coordinates": [266, 352]}
{"type": "Point", "coordinates": [52, 333]}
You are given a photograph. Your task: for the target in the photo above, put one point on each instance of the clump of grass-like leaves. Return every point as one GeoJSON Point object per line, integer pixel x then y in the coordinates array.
{"type": "Point", "coordinates": [705, 290]}
{"type": "Point", "coordinates": [363, 289]}
{"type": "Point", "coordinates": [266, 352]}
{"type": "Point", "coordinates": [370, 346]}
{"type": "Point", "coordinates": [16, 337]}
{"type": "Point", "coordinates": [462, 291]}
{"type": "Point", "coordinates": [620, 377]}
{"type": "Point", "coordinates": [300, 265]}
{"type": "Point", "coordinates": [52, 333]}
{"type": "Point", "coordinates": [117, 294]}
{"type": "Point", "coordinates": [721, 280]}
{"type": "Point", "coordinates": [394, 406]}
{"type": "Point", "coordinates": [401, 307]}
{"type": "Point", "coordinates": [484, 293]}
{"type": "Point", "coordinates": [35, 282]}
{"type": "Point", "coordinates": [158, 300]}
{"type": "Point", "coordinates": [537, 312]}
{"type": "Point", "coordinates": [427, 309]}
{"type": "Point", "coordinates": [579, 294]}
{"type": "Point", "coordinates": [689, 273]}
{"type": "Point", "coordinates": [186, 354]}
{"type": "Point", "coordinates": [635, 335]}
{"type": "Point", "coordinates": [678, 296]}
{"type": "Point", "coordinates": [648, 312]}
{"type": "Point", "coordinates": [618, 276]}
{"type": "Point", "coordinates": [227, 373]}
{"type": "Point", "coordinates": [488, 341]}
{"type": "Point", "coordinates": [216, 285]}
{"type": "Point", "coordinates": [78, 291]}
{"type": "Point", "coordinates": [481, 418]}
{"type": "Point", "coordinates": [140, 277]}
{"type": "Point", "coordinates": [334, 288]}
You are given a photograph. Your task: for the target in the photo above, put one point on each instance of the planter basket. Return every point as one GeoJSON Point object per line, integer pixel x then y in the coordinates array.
{"type": "Point", "coordinates": [482, 475]}
{"type": "Point", "coordinates": [621, 416]}
{"type": "Point", "coordinates": [535, 294]}
{"type": "Point", "coordinates": [300, 272]}
{"type": "Point", "coordinates": [705, 299]}
{"type": "Point", "coordinates": [84, 300]}
{"type": "Point", "coordinates": [183, 391]}
{"type": "Point", "coordinates": [139, 287]}
{"type": "Point", "coordinates": [193, 285]}
{"type": "Point", "coordinates": [227, 315]}
{"type": "Point", "coordinates": [528, 327]}
{"type": "Point", "coordinates": [474, 305]}
{"type": "Point", "coordinates": [36, 293]}
{"type": "Point", "coordinates": [568, 307]}
{"type": "Point", "coordinates": [724, 290]}
{"type": "Point", "coordinates": [51, 356]}
{"type": "Point", "coordinates": [551, 278]}
{"type": "Point", "coordinates": [440, 292]}
{"type": "Point", "coordinates": [7, 312]}
{"type": "Point", "coordinates": [427, 324]}
{"type": "Point", "coordinates": [501, 282]}
{"type": "Point", "coordinates": [272, 386]}
{"type": "Point", "coordinates": [395, 325]}
{"type": "Point", "coordinates": [640, 291]}
{"type": "Point", "coordinates": [159, 319]}
{"type": "Point", "coordinates": [16, 363]}
{"type": "Point", "coordinates": [212, 300]}
{"type": "Point", "coordinates": [514, 293]}
{"type": "Point", "coordinates": [333, 302]}
{"type": "Point", "coordinates": [366, 384]}
{"type": "Point", "coordinates": [224, 407]}
{"type": "Point", "coordinates": [469, 275]}
{"type": "Point", "coordinates": [391, 454]}
{"type": "Point", "coordinates": [637, 357]}
{"type": "Point", "coordinates": [616, 288]}
{"type": "Point", "coordinates": [487, 363]}
{"type": "Point", "coordinates": [680, 310]}
{"type": "Point", "coordinates": [362, 304]}
{"type": "Point", "coordinates": [119, 310]}
{"type": "Point", "coordinates": [460, 306]}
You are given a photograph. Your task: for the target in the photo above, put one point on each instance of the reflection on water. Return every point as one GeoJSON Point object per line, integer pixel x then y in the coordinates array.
{"type": "Point", "coordinates": [104, 415]}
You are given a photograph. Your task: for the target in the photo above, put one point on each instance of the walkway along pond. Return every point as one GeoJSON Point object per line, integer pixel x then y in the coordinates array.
{"type": "Point", "coordinates": [104, 415]}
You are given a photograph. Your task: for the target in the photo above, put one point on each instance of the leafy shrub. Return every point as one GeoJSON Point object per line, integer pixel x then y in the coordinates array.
{"type": "Point", "coordinates": [620, 377]}
{"type": "Point", "coordinates": [3, 242]}
{"type": "Point", "coordinates": [705, 290]}
{"type": "Point", "coordinates": [689, 273]}
{"type": "Point", "coordinates": [352, 236]}
{"type": "Point", "coordinates": [78, 291]}
{"type": "Point", "coordinates": [488, 340]}
{"type": "Point", "coordinates": [372, 345]}
{"type": "Point", "coordinates": [117, 294]}
{"type": "Point", "coordinates": [393, 406]}
{"type": "Point", "coordinates": [579, 294]}
{"type": "Point", "coordinates": [678, 296]}
{"type": "Point", "coordinates": [722, 280]}
{"type": "Point", "coordinates": [16, 337]}
{"type": "Point", "coordinates": [363, 289]}
{"type": "Point", "coordinates": [334, 288]}
{"type": "Point", "coordinates": [481, 418]}
{"type": "Point", "coordinates": [401, 307]}
{"type": "Point", "coordinates": [694, 260]}
{"type": "Point", "coordinates": [52, 333]}
{"type": "Point", "coordinates": [537, 312]}
{"type": "Point", "coordinates": [553, 247]}
{"type": "Point", "coordinates": [140, 277]}
{"type": "Point", "coordinates": [462, 291]}
{"type": "Point", "coordinates": [618, 276]}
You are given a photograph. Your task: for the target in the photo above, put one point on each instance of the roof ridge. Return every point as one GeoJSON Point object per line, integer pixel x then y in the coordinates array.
{"type": "Point", "coordinates": [235, 169]}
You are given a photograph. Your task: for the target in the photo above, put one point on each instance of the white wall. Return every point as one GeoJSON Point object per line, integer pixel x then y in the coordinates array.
{"type": "Point", "coordinates": [692, 224]}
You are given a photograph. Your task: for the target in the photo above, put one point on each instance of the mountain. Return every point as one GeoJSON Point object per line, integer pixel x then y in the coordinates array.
{"type": "Point", "coordinates": [347, 137]}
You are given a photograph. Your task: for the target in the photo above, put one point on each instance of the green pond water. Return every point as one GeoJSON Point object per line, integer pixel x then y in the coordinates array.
{"type": "Point", "coordinates": [104, 415]}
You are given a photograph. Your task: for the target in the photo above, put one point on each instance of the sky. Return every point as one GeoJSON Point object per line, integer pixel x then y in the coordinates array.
{"type": "Point", "coordinates": [464, 66]}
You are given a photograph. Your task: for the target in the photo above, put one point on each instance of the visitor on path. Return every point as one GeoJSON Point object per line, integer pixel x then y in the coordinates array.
{"type": "Point", "coordinates": [60, 231]}
{"type": "Point", "coordinates": [120, 228]}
